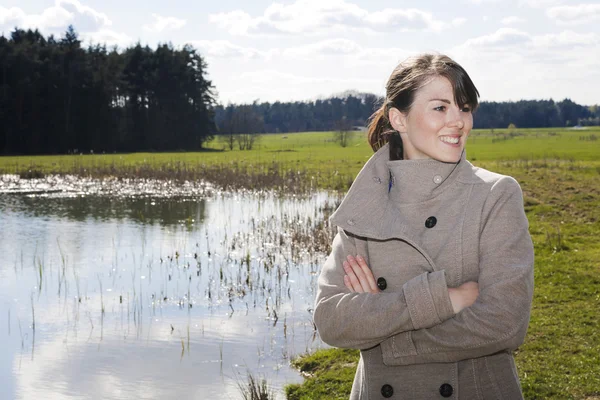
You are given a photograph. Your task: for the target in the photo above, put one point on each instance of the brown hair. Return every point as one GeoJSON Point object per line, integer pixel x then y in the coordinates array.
{"type": "Point", "coordinates": [405, 80]}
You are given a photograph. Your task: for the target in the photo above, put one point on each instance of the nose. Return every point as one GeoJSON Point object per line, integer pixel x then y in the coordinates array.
{"type": "Point", "coordinates": [455, 120]}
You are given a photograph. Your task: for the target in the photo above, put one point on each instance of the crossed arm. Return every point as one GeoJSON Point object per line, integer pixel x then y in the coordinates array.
{"type": "Point", "coordinates": [359, 279]}
{"type": "Point", "coordinates": [471, 324]}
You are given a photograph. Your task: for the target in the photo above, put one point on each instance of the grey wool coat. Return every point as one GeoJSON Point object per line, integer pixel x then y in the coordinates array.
{"type": "Point", "coordinates": [425, 226]}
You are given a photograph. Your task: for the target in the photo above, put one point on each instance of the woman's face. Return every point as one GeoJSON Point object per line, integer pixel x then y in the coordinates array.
{"type": "Point", "coordinates": [435, 127]}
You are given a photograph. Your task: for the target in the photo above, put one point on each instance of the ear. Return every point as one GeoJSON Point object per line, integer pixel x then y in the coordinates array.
{"type": "Point", "coordinates": [398, 120]}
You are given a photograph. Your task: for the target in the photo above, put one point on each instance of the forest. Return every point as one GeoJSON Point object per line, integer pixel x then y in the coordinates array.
{"type": "Point", "coordinates": [58, 96]}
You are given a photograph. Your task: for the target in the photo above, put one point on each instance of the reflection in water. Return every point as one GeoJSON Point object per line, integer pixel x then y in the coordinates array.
{"type": "Point", "coordinates": [155, 298]}
{"type": "Point", "coordinates": [175, 211]}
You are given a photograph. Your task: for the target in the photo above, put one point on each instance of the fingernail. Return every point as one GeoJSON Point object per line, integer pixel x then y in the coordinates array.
{"type": "Point", "coordinates": [359, 258]}
{"type": "Point", "coordinates": [349, 258]}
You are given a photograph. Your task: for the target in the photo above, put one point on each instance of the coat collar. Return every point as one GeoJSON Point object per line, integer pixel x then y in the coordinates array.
{"type": "Point", "coordinates": [416, 181]}
{"type": "Point", "coordinates": [372, 207]}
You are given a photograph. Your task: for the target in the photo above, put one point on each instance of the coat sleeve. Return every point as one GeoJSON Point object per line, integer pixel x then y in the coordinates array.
{"type": "Point", "coordinates": [499, 318]}
{"type": "Point", "coordinates": [362, 320]}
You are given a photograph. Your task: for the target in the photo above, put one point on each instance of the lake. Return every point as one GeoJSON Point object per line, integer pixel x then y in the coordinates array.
{"type": "Point", "coordinates": [168, 291]}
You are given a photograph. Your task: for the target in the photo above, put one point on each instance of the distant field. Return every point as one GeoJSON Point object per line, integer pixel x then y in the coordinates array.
{"type": "Point", "coordinates": [314, 154]}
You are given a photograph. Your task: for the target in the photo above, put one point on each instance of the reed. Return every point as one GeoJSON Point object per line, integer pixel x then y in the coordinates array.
{"type": "Point", "coordinates": [255, 388]}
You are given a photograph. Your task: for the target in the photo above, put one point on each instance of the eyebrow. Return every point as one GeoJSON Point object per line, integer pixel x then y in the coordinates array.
{"type": "Point", "coordinates": [444, 100]}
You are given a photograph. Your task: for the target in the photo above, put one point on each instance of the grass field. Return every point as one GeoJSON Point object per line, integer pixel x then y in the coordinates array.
{"type": "Point", "coordinates": [313, 156]}
{"type": "Point", "coordinates": [559, 171]}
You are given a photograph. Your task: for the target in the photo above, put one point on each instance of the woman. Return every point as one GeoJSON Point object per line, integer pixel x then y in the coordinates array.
{"type": "Point", "coordinates": [431, 271]}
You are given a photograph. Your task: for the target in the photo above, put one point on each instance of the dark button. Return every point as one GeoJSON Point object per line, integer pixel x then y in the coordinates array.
{"type": "Point", "coordinates": [387, 391]}
{"type": "Point", "coordinates": [430, 222]}
{"type": "Point", "coordinates": [381, 283]}
{"type": "Point", "coordinates": [446, 390]}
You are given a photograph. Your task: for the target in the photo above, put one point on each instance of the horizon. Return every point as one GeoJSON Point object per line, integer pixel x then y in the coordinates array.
{"type": "Point", "coordinates": [304, 50]}
{"type": "Point", "coordinates": [355, 93]}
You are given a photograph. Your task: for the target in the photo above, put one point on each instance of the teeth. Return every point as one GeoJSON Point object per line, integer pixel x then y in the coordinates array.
{"type": "Point", "coordinates": [448, 139]}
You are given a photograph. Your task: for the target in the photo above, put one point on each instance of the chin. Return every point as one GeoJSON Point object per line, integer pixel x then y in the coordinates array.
{"type": "Point", "coordinates": [449, 158]}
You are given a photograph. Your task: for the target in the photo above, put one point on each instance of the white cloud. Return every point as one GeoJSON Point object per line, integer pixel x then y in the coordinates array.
{"type": "Point", "coordinates": [10, 16]}
{"type": "Point", "coordinates": [349, 51]}
{"type": "Point", "coordinates": [273, 85]}
{"type": "Point", "coordinates": [85, 17]}
{"type": "Point", "coordinates": [566, 38]}
{"type": "Point", "coordinates": [512, 20]}
{"type": "Point", "coordinates": [237, 22]}
{"type": "Point", "coordinates": [162, 24]}
{"type": "Point", "coordinates": [352, 52]}
{"type": "Point", "coordinates": [58, 16]}
{"type": "Point", "coordinates": [458, 21]}
{"type": "Point", "coordinates": [540, 3]}
{"type": "Point", "coordinates": [268, 76]}
{"type": "Point", "coordinates": [515, 41]}
{"type": "Point", "coordinates": [108, 37]}
{"type": "Point", "coordinates": [91, 25]}
{"type": "Point", "coordinates": [574, 15]}
{"type": "Point", "coordinates": [318, 16]}
{"type": "Point", "coordinates": [503, 37]}
{"type": "Point", "coordinates": [331, 47]}
{"type": "Point", "coordinates": [557, 52]}
{"type": "Point", "coordinates": [226, 49]}
{"type": "Point", "coordinates": [403, 20]}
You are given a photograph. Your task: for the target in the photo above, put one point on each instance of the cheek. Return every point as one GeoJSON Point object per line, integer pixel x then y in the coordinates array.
{"type": "Point", "coordinates": [428, 123]}
{"type": "Point", "coordinates": [469, 122]}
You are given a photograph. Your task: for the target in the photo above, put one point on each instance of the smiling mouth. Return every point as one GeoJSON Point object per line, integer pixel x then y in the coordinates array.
{"type": "Point", "coordinates": [450, 139]}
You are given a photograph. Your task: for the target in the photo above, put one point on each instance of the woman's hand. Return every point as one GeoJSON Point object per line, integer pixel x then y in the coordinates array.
{"type": "Point", "coordinates": [359, 277]}
{"type": "Point", "coordinates": [463, 296]}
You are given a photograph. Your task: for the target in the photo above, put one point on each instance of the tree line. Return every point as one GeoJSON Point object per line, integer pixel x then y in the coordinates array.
{"type": "Point", "coordinates": [355, 109]}
{"type": "Point", "coordinates": [58, 97]}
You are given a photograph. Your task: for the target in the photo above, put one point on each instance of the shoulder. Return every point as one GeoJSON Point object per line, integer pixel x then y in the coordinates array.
{"type": "Point", "coordinates": [489, 181]}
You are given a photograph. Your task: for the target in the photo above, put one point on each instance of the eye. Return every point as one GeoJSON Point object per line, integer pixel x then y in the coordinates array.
{"type": "Point", "coordinates": [466, 109]}
{"type": "Point", "coordinates": [440, 108]}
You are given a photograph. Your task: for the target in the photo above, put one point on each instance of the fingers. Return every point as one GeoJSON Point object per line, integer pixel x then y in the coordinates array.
{"type": "Point", "coordinates": [464, 296]}
{"type": "Point", "coordinates": [368, 274]}
{"type": "Point", "coordinates": [359, 277]}
{"type": "Point", "coordinates": [350, 279]}
{"type": "Point", "coordinates": [348, 283]}
{"type": "Point", "coordinates": [470, 285]}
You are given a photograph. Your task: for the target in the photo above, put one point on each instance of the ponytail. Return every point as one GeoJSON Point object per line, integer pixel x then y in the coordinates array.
{"type": "Point", "coordinates": [379, 126]}
{"type": "Point", "coordinates": [381, 132]}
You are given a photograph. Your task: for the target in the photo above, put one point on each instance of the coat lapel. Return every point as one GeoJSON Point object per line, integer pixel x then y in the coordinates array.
{"type": "Point", "coordinates": [385, 193]}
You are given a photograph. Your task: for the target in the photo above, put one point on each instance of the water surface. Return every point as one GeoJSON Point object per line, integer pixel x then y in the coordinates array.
{"type": "Point", "coordinates": [141, 296]}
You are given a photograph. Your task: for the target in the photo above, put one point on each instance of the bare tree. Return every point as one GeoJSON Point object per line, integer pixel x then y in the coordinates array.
{"type": "Point", "coordinates": [242, 125]}
{"type": "Point", "coordinates": [343, 132]}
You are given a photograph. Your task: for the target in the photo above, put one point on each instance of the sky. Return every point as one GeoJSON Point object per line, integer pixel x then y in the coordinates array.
{"type": "Point", "coordinates": [288, 50]}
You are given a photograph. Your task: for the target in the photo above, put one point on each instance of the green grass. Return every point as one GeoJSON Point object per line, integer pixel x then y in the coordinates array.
{"type": "Point", "coordinates": [312, 154]}
{"type": "Point", "coordinates": [330, 374]}
{"type": "Point", "coordinates": [559, 171]}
